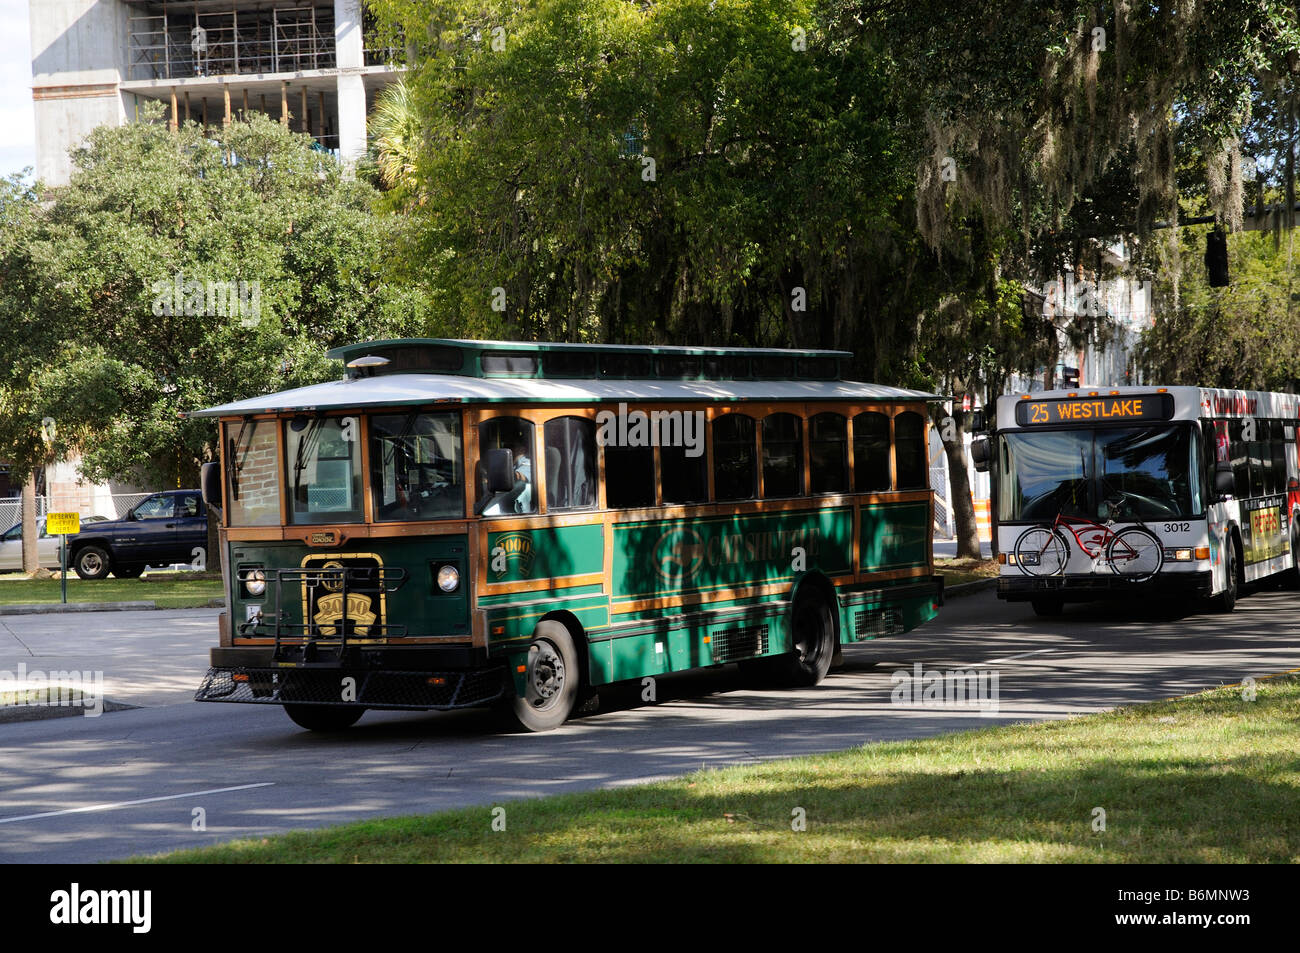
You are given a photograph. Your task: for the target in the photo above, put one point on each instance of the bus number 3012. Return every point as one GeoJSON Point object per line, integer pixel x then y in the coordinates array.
{"type": "Point", "coordinates": [1177, 527]}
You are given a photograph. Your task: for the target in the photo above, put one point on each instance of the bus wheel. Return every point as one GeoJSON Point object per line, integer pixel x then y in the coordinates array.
{"type": "Point", "coordinates": [1293, 577]}
{"type": "Point", "coordinates": [324, 717]}
{"type": "Point", "coordinates": [813, 640]}
{"type": "Point", "coordinates": [1227, 600]}
{"type": "Point", "coordinates": [551, 682]}
{"type": "Point", "coordinates": [1047, 605]}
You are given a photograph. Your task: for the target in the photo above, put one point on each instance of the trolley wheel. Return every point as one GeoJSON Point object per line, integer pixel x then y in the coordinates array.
{"type": "Point", "coordinates": [812, 637]}
{"type": "Point", "coordinates": [1041, 551]}
{"type": "Point", "coordinates": [324, 717]}
{"type": "Point", "coordinates": [91, 562]}
{"type": "Point", "coordinates": [1135, 554]}
{"type": "Point", "coordinates": [1226, 601]}
{"type": "Point", "coordinates": [1047, 605]}
{"type": "Point", "coordinates": [551, 682]}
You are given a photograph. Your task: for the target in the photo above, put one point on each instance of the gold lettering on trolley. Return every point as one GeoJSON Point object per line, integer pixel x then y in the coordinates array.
{"type": "Point", "coordinates": [329, 610]}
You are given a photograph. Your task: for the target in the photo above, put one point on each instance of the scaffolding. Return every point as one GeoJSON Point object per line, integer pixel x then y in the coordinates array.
{"type": "Point", "coordinates": [170, 42]}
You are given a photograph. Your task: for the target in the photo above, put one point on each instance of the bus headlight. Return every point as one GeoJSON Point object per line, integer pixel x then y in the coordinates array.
{"type": "Point", "coordinates": [448, 578]}
{"type": "Point", "coordinates": [255, 582]}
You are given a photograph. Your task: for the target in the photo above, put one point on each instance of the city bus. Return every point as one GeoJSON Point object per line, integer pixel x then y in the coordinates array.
{"type": "Point", "coordinates": [1139, 491]}
{"type": "Point", "coordinates": [482, 523]}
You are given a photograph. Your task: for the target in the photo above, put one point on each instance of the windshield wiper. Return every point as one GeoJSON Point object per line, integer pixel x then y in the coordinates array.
{"type": "Point", "coordinates": [311, 437]}
{"type": "Point", "coordinates": [235, 459]}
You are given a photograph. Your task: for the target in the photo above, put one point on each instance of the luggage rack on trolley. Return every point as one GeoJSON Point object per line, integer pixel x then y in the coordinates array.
{"type": "Point", "coordinates": [312, 641]}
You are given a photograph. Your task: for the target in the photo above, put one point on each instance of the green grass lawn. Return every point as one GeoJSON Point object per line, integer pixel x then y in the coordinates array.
{"type": "Point", "coordinates": [1212, 778]}
{"type": "Point", "coordinates": [169, 590]}
{"type": "Point", "coordinates": [957, 571]}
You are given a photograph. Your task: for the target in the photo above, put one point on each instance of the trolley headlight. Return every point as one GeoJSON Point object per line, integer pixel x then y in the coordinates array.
{"type": "Point", "coordinates": [255, 582]}
{"type": "Point", "coordinates": [448, 578]}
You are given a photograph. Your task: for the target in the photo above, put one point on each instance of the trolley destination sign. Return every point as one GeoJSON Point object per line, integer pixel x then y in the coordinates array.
{"type": "Point", "coordinates": [1069, 410]}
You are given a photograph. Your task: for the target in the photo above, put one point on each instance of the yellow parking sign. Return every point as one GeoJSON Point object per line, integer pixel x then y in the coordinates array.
{"type": "Point", "coordinates": [59, 524]}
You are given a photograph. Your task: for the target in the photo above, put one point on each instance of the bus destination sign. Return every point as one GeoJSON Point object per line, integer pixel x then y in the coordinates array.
{"type": "Point", "coordinates": [1092, 410]}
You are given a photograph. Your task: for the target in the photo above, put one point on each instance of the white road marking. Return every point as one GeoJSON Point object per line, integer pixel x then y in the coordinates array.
{"type": "Point", "coordinates": [999, 661]}
{"type": "Point", "coordinates": [143, 800]}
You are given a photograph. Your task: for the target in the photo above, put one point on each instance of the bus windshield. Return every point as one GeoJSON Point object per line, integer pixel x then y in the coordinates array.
{"type": "Point", "coordinates": [1124, 473]}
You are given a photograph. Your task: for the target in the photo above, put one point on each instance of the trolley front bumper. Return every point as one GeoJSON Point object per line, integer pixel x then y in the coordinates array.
{"type": "Point", "coordinates": [1085, 587]}
{"type": "Point", "coordinates": [415, 680]}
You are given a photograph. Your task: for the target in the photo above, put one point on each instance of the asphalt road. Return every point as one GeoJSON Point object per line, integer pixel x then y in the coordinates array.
{"type": "Point", "coordinates": [78, 789]}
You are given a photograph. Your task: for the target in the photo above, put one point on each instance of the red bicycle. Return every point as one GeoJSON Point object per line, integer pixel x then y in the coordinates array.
{"type": "Point", "coordinates": [1134, 553]}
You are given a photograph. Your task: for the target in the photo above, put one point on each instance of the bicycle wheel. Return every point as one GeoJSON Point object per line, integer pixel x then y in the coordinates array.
{"type": "Point", "coordinates": [1040, 551]}
{"type": "Point", "coordinates": [1135, 554]}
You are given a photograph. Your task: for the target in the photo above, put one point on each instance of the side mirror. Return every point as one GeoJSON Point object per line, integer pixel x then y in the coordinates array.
{"type": "Point", "coordinates": [210, 482]}
{"type": "Point", "coordinates": [979, 454]}
{"type": "Point", "coordinates": [501, 471]}
{"type": "Point", "coordinates": [977, 424]}
{"type": "Point", "coordinates": [1224, 484]}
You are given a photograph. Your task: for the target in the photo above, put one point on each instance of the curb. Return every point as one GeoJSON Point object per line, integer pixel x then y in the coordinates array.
{"type": "Point", "coordinates": [11, 714]}
{"type": "Point", "coordinates": [39, 607]}
{"type": "Point", "coordinates": [969, 588]}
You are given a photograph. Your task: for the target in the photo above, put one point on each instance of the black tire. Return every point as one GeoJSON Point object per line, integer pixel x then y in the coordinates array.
{"type": "Point", "coordinates": [91, 562]}
{"type": "Point", "coordinates": [553, 682]}
{"type": "Point", "coordinates": [1226, 601]}
{"type": "Point", "coordinates": [1042, 551]}
{"type": "Point", "coordinates": [812, 640]}
{"type": "Point", "coordinates": [1047, 605]}
{"type": "Point", "coordinates": [324, 717]}
{"type": "Point", "coordinates": [128, 572]}
{"type": "Point", "coordinates": [1135, 554]}
{"type": "Point", "coordinates": [1293, 575]}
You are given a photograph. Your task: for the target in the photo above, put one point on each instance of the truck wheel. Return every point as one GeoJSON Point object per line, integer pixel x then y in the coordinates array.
{"type": "Point", "coordinates": [91, 562]}
{"type": "Point", "coordinates": [324, 717]}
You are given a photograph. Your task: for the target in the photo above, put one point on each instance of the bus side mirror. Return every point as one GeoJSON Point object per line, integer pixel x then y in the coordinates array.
{"type": "Point", "coordinates": [501, 471]}
{"type": "Point", "coordinates": [979, 454]}
{"type": "Point", "coordinates": [210, 483]}
{"type": "Point", "coordinates": [976, 421]}
{"type": "Point", "coordinates": [1224, 484]}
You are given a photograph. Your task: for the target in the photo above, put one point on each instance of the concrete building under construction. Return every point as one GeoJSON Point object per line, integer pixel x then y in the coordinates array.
{"type": "Point", "coordinates": [314, 66]}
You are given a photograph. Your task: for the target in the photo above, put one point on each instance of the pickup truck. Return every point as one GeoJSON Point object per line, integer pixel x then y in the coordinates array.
{"type": "Point", "coordinates": [169, 527]}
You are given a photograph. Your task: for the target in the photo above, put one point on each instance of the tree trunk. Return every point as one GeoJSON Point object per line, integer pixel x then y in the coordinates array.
{"type": "Point", "coordinates": [31, 558]}
{"type": "Point", "coordinates": [959, 496]}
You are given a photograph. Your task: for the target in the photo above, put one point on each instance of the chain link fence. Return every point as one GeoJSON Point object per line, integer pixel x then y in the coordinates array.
{"type": "Point", "coordinates": [11, 508]}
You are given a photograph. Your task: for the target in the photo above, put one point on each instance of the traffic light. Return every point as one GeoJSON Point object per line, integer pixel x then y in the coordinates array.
{"type": "Point", "coordinates": [1216, 258]}
{"type": "Point", "coordinates": [1069, 377]}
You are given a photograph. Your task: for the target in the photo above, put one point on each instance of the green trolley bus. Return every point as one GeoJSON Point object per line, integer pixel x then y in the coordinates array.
{"type": "Point", "coordinates": [486, 523]}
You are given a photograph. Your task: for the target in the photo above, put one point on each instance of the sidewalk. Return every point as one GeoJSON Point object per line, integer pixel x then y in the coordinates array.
{"type": "Point", "coordinates": [947, 548]}
{"type": "Point", "coordinates": [149, 658]}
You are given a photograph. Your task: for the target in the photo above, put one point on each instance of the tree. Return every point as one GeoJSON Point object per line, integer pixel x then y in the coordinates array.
{"type": "Point", "coordinates": [179, 270]}
{"type": "Point", "coordinates": [1246, 335]}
